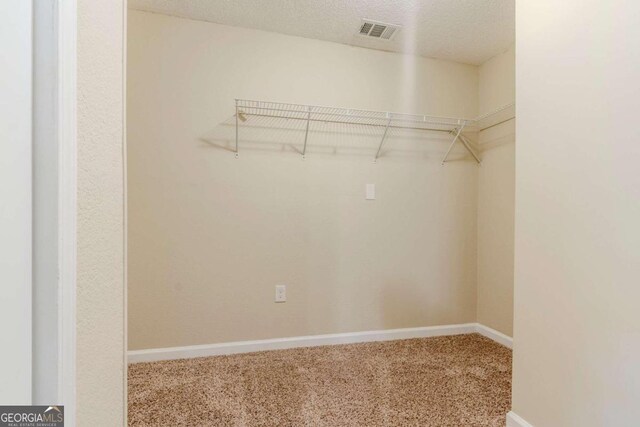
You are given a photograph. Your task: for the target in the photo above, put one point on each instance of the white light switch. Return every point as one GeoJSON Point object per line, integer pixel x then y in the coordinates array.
{"type": "Point", "coordinates": [371, 192]}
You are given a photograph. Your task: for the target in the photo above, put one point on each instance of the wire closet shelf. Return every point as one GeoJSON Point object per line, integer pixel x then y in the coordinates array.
{"type": "Point", "coordinates": [381, 119]}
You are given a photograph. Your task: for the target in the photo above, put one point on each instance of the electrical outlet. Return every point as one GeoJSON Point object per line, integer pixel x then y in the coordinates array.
{"type": "Point", "coordinates": [281, 293]}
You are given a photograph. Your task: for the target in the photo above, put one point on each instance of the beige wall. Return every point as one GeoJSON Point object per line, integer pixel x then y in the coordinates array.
{"type": "Point", "coordinates": [496, 194]}
{"type": "Point", "coordinates": [100, 280]}
{"type": "Point", "coordinates": [210, 235]}
{"type": "Point", "coordinates": [577, 271]}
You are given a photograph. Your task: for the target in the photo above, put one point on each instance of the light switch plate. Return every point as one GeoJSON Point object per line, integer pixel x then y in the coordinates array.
{"type": "Point", "coordinates": [370, 193]}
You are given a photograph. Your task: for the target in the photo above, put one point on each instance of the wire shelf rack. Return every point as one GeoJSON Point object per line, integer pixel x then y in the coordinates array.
{"type": "Point", "coordinates": [385, 122]}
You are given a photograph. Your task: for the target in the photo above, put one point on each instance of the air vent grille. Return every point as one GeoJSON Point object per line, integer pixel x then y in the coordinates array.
{"type": "Point", "coordinates": [366, 27]}
{"type": "Point", "coordinates": [378, 30]}
{"type": "Point", "coordinates": [388, 33]}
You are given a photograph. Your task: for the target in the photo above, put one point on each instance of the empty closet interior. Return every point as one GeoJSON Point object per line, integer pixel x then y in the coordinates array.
{"type": "Point", "coordinates": [305, 175]}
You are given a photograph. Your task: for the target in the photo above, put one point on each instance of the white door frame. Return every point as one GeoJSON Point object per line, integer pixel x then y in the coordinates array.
{"type": "Point", "coordinates": [16, 190]}
{"type": "Point", "coordinates": [67, 205]}
{"type": "Point", "coordinates": [64, 111]}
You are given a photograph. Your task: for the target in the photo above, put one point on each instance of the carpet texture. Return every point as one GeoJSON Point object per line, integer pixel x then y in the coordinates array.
{"type": "Point", "coordinates": [462, 380]}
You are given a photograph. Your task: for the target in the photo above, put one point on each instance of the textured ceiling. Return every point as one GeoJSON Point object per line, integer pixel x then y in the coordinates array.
{"type": "Point", "coordinates": [468, 31]}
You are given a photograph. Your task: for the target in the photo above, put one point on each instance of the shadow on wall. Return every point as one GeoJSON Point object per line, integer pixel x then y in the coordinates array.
{"type": "Point", "coordinates": [268, 134]}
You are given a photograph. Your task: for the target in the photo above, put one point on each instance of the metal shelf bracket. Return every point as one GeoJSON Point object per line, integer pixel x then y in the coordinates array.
{"type": "Point", "coordinates": [306, 132]}
{"type": "Point", "coordinates": [384, 135]}
{"type": "Point", "coordinates": [459, 130]}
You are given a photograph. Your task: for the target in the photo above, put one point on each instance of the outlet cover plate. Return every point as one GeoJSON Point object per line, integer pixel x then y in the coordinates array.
{"type": "Point", "coordinates": [281, 293]}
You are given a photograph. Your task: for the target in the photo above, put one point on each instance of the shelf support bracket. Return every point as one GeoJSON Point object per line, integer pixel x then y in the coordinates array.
{"type": "Point", "coordinates": [236, 128]}
{"type": "Point", "coordinates": [444, 159]}
{"type": "Point", "coordinates": [467, 145]}
{"type": "Point", "coordinates": [384, 136]}
{"type": "Point", "coordinates": [306, 133]}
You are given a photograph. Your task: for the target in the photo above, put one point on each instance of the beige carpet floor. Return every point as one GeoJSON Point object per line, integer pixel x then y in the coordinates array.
{"type": "Point", "coordinates": [462, 380]}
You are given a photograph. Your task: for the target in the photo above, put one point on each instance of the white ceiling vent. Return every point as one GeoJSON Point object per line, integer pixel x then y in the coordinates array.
{"type": "Point", "coordinates": [378, 30]}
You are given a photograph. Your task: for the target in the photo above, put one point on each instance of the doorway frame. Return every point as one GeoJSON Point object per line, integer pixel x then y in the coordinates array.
{"type": "Point", "coordinates": [67, 22]}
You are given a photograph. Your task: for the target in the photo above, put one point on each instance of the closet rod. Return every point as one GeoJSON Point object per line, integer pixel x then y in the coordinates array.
{"type": "Point", "coordinates": [424, 120]}
{"type": "Point", "coordinates": [304, 119]}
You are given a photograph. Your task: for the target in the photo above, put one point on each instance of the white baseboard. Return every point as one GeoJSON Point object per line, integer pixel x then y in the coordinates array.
{"type": "Point", "coordinates": [170, 353]}
{"type": "Point", "coordinates": [514, 420]}
{"type": "Point", "coordinates": [494, 335]}
{"type": "Point", "coordinates": [154, 354]}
